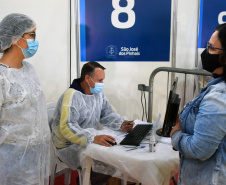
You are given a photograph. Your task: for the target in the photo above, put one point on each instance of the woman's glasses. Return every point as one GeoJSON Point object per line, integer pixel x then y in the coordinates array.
{"type": "Point", "coordinates": [31, 34]}
{"type": "Point", "coordinates": [211, 48]}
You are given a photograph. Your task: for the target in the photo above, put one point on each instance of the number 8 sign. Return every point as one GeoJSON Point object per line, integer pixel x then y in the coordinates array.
{"type": "Point", "coordinates": [125, 30]}
{"type": "Point", "coordinates": [127, 9]}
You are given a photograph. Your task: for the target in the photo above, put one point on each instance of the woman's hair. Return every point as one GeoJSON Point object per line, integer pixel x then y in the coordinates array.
{"type": "Point", "coordinates": [222, 38]}
{"type": "Point", "coordinates": [88, 69]}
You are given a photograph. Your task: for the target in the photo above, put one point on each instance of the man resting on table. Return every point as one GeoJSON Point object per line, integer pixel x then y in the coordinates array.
{"type": "Point", "coordinates": [78, 115]}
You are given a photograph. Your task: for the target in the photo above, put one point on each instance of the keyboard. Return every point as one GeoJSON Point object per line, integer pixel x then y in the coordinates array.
{"type": "Point", "coordinates": [136, 135]}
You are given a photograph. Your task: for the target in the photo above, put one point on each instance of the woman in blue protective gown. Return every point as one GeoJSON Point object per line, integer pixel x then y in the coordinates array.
{"type": "Point", "coordinates": [24, 130]}
{"type": "Point", "coordinates": [200, 135]}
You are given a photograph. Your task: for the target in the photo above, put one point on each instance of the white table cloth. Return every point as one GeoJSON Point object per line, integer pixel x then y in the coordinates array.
{"type": "Point", "coordinates": [138, 165]}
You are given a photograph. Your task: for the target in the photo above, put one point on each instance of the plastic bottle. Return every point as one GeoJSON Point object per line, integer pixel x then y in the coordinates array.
{"type": "Point", "coordinates": [152, 142]}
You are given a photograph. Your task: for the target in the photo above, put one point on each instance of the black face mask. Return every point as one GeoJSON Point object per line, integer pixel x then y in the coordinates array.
{"type": "Point", "coordinates": [210, 62]}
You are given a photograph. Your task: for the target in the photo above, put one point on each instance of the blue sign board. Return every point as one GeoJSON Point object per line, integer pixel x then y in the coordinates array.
{"type": "Point", "coordinates": [125, 30]}
{"type": "Point", "coordinates": [212, 13]}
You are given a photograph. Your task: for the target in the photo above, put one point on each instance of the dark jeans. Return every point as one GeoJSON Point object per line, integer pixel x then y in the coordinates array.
{"type": "Point", "coordinates": [97, 178]}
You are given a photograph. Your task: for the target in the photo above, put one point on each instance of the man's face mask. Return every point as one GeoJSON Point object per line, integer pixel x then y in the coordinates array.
{"type": "Point", "coordinates": [97, 88]}
{"type": "Point", "coordinates": [32, 48]}
{"type": "Point", "coordinates": [210, 62]}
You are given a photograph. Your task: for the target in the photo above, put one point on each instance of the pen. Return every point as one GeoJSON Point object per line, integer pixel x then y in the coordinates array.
{"type": "Point", "coordinates": [136, 148]}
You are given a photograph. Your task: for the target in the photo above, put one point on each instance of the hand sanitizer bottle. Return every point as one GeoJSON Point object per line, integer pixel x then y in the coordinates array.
{"type": "Point", "coordinates": [152, 142]}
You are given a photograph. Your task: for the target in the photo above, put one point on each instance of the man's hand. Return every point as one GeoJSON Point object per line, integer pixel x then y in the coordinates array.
{"type": "Point", "coordinates": [127, 126]}
{"type": "Point", "coordinates": [102, 140]}
{"type": "Point", "coordinates": [175, 128]}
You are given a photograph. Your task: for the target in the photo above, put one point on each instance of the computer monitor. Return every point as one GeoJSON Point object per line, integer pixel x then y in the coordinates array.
{"type": "Point", "coordinates": [171, 111]}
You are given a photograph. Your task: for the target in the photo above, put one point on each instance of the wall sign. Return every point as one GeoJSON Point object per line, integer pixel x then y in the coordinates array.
{"type": "Point", "coordinates": [212, 13]}
{"type": "Point", "coordinates": [125, 30]}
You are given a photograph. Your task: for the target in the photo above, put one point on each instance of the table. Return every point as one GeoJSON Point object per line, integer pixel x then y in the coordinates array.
{"type": "Point", "coordinates": [138, 165]}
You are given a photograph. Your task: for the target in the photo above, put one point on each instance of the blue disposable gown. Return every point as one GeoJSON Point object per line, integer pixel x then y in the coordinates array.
{"type": "Point", "coordinates": [76, 122]}
{"type": "Point", "coordinates": [24, 130]}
